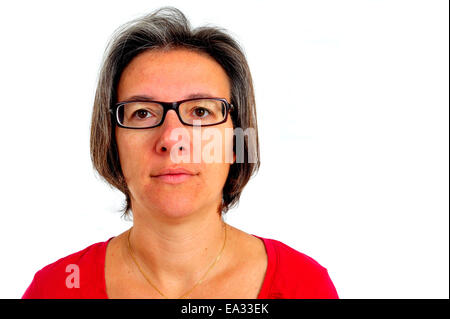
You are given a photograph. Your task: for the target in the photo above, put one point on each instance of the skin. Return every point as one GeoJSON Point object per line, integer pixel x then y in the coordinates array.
{"type": "Point", "coordinates": [177, 230]}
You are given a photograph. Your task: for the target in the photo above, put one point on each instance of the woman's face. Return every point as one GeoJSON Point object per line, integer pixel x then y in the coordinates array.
{"type": "Point", "coordinates": [147, 155]}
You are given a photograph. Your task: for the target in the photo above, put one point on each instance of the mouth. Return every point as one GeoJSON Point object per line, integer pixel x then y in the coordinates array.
{"type": "Point", "coordinates": [174, 176]}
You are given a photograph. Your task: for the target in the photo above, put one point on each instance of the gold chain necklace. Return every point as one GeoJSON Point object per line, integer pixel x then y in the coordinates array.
{"type": "Point", "coordinates": [196, 284]}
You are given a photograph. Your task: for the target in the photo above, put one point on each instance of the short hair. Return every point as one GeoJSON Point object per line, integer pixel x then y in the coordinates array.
{"type": "Point", "coordinates": [168, 28]}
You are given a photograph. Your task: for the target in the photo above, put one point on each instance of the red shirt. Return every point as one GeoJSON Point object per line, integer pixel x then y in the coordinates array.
{"type": "Point", "coordinates": [289, 275]}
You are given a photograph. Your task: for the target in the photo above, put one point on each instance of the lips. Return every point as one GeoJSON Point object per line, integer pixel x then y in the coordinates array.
{"type": "Point", "coordinates": [173, 175]}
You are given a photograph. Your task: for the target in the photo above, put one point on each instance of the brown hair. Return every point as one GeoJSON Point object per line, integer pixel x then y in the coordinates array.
{"type": "Point", "coordinates": [169, 28]}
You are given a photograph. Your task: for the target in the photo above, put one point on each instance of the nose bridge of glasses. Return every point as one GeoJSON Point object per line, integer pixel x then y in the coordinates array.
{"type": "Point", "coordinates": [171, 106]}
{"type": "Point", "coordinates": [174, 108]}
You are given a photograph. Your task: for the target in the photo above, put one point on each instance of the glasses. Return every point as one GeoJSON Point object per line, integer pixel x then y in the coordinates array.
{"type": "Point", "coordinates": [148, 114]}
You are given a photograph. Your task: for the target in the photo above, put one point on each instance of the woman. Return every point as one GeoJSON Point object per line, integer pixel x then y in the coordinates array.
{"type": "Point", "coordinates": [166, 101]}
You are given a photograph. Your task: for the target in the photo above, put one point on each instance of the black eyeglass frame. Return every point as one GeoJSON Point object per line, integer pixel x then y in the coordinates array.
{"type": "Point", "coordinates": [169, 106]}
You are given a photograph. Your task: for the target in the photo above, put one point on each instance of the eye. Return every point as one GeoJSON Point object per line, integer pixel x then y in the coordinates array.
{"type": "Point", "coordinates": [142, 114]}
{"type": "Point", "coordinates": [201, 112]}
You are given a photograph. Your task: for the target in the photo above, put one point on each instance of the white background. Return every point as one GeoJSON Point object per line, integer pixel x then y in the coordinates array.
{"type": "Point", "coordinates": [353, 111]}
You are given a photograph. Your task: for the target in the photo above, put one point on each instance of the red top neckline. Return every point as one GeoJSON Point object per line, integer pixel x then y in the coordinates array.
{"type": "Point", "coordinates": [265, 287]}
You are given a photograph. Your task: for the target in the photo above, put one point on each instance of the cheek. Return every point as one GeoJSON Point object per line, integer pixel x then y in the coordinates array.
{"type": "Point", "coordinates": [217, 145]}
{"type": "Point", "coordinates": [132, 153]}
{"type": "Point", "coordinates": [215, 176]}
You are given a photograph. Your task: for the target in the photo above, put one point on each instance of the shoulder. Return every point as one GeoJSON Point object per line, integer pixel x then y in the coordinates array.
{"type": "Point", "coordinates": [293, 274]}
{"type": "Point", "coordinates": [291, 259]}
{"type": "Point", "coordinates": [78, 275]}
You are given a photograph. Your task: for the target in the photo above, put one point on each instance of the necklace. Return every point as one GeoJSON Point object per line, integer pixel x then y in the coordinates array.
{"type": "Point", "coordinates": [184, 296]}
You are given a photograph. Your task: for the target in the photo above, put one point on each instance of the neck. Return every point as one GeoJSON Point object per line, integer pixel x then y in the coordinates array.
{"type": "Point", "coordinates": [176, 253]}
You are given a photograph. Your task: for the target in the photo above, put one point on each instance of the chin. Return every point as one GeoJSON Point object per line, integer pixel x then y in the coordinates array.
{"type": "Point", "coordinates": [175, 207]}
{"type": "Point", "coordinates": [175, 211]}
{"type": "Point", "coordinates": [179, 202]}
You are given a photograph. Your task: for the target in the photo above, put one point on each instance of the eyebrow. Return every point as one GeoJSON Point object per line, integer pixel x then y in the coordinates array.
{"type": "Point", "coordinates": [144, 97]}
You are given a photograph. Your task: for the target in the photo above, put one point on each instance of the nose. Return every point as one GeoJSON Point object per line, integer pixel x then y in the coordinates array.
{"type": "Point", "coordinates": [173, 134]}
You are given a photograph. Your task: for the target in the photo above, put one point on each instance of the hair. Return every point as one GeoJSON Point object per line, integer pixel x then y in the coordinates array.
{"type": "Point", "coordinates": [168, 28]}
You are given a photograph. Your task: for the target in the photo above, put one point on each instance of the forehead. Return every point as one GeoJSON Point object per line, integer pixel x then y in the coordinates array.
{"type": "Point", "coordinates": [172, 75]}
